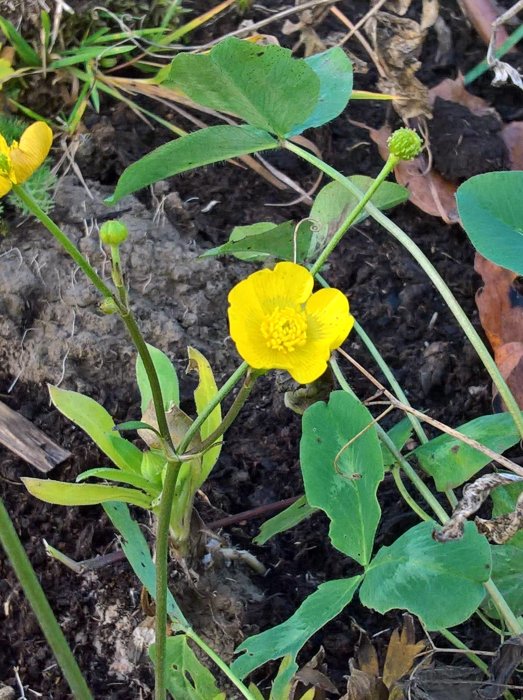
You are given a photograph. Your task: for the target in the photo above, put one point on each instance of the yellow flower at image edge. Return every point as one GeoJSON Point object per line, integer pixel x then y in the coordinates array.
{"type": "Point", "coordinates": [19, 160]}
{"type": "Point", "coordinates": [278, 323]}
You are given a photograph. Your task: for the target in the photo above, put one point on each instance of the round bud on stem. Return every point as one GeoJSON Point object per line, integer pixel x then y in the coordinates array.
{"type": "Point", "coordinates": [113, 232]}
{"type": "Point", "coordinates": [108, 306]}
{"type": "Point", "coordinates": [404, 144]}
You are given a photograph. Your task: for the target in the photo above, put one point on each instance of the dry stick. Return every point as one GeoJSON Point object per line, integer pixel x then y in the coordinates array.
{"type": "Point", "coordinates": [359, 36]}
{"type": "Point", "coordinates": [500, 459]}
{"type": "Point", "coordinates": [360, 22]}
{"type": "Point", "coordinates": [253, 513]}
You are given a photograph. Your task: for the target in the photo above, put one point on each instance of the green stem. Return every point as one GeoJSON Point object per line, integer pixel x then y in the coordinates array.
{"type": "Point", "coordinates": [434, 276]}
{"type": "Point", "coordinates": [407, 497]}
{"type": "Point", "coordinates": [221, 664]}
{"type": "Point", "coordinates": [64, 241]}
{"type": "Point", "coordinates": [391, 162]}
{"type": "Point", "coordinates": [514, 625]}
{"type": "Point", "coordinates": [162, 534]}
{"type": "Point", "coordinates": [460, 645]}
{"type": "Point", "coordinates": [41, 608]}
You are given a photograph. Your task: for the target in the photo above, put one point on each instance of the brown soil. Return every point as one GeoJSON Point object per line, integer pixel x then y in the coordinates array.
{"type": "Point", "coordinates": [52, 332]}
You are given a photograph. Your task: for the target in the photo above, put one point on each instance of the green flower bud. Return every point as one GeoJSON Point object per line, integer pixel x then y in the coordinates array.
{"type": "Point", "coordinates": [113, 232]}
{"type": "Point", "coordinates": [108, 306]}
{"type": "Point", "coordinates": [405, 144]}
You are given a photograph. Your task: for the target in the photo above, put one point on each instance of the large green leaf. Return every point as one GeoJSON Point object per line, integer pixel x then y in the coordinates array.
{"type": "Point", "coordinates": [290, 517]}
{"type": "Point", "coordinates": [63, 494]}
{"type": "Point", "coordinates": [263, 85]}
{"type": "Point", "coordinates": [342, 478]}
{"type": "Point", "coordinates": [202, 147]}
{"type": "Point", "coordinates": [138, 555]}
{"type": "Point", "coordinates": [121, 477]}
{"type": "Point", "coordinates": [99, 425]}
{"type": "Point", "coordinates": [451, 462]}
{"type": "Point", "coordinates": [334, 202]}
{"type": "Point", "coordinates": [334, 70]}
{"type": "Point", "coordinates": [440, 582]}
{"type": "Point", "coordinates": [288, 638]}
{"type": "Point", "coordinates": [491, 211]}
{"type": "Point", "coordinates": [187, 677]}
{"type": "Point", "coordinates": [166, 376]}
{"type": "Point", "coordinates": [507, 572]}
{"type": "Point", "coordinates": [263, 240]}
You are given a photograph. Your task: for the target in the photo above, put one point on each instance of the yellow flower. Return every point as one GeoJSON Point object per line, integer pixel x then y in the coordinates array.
{"type": "Point", "coordinates": [277, 323]}
{"type": "Point", "coordinates": [19, 160]}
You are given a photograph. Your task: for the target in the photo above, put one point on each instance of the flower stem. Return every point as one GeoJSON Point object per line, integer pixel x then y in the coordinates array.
{"type": "Point", "coordinates": [41, 608]}
{"type": "Point", "coordinates": [162, 534]}
{"type": "Point", "coordinates": [467, 327]}
{"type": "Point", "coordinates": [515, 626]}
{"type": "Point", "coordinates": [221, 664]}
{"type": "Point", "coordinates": [460, 645]}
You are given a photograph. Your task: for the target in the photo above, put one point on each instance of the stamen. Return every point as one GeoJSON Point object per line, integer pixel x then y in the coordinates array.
{"type": "Point", "coordinates": [285, 329]}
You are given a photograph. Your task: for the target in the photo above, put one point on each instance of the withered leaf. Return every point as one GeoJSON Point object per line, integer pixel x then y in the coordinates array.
{"type": "Point", "coordinates": [401, 653]}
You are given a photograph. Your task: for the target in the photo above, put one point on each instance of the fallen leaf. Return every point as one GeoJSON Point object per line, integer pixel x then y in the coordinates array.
{"type": "Point", "coordinates": [508, 658]}
{"type": "Point", "coordinates": [500, 306]}
{"type": "Point", "coordinates": [428, 190]}
{"type": "Point", "coordinates": [401, 653]}
{"type": "Point", "coordinates": [481, 14]}
{"type": "Point", "coordinates": [512, 135]}
{"type": "Point", "coordinates": [455, 91]}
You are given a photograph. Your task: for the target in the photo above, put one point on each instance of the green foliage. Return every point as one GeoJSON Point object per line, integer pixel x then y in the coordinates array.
{"type": "Point", "coordinates": [451, 462]}
{"type": "Point", "coordinates": [441, 583]}
{"type": "Point", "coordinates": [504, 499]}
{"type": "Point", "coordinates": [491, 211]}
{"type": "Point", "coordinates": [189, 152]}
{"type": "Point", "coordinates": [290, 517]}
{"type": "Point", "coordinates": [40, 186]}
{"type": "Point", "coordinates": [64, 494]}
{"type": "Point", "coordinates": [288, 638]}
{"type": "Point", "coordinates": [399, 434]}
{"type": "Point", "coordinates": [187, 677]}
{"type": "Point", "coordinates": [506, 574]}
{"type": "Point", "coordinates": [166, 376]}
{"type": "Point", "coordinates": [342, 466]}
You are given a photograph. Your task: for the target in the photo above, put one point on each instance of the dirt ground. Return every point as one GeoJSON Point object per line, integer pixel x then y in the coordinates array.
{"type": "Point", "coordinates": [52, 331]}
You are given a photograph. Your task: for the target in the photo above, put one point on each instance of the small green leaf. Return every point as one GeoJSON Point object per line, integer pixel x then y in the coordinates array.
{"type": "Point", "coordinates": [451, 462]}
{"type": "Point", "coordinates": [166, 376]}
{"type": "Point", "coordinates": [399, 434]}
{"type": "Point", "coordinates": [334, 71]}
{"type": "Point", "coordinates": [187, 677]}
{"type": "Point", "coordinates": [203, 395]}
{"type": "Point", "coordinates": [290, 517]}
{"type": "Point", "coordinates": [334, 202]}
{"type": "Point", "coordinates": [27, 54]}
{"type": "Point", "coordinates": [134, 425]}
{"type": "Point", "coordinates": [440, 582]}
{"type": "Point", "coordinates": [191, 151]}
{"type": "Point", "coordinates": [138, 555]}
{"type": "Point", "coordinates": [506, 574]}
{"type": "Point", "coordinates": [342, 474]}
{"type": "Point", "coordinates": [491, 211]}
{"type": "Point", "coordinates": [263, 240]}
{"type": "Point", "coordinates": [121, 477]}
{"type": "Point", "coordinates": [98, 424]}
{"type": "Point", "coordinates": [263, 85]}
{"type": "Point", "coordinates": [504, 499]}
{"type": "Point", "coordinates": [63, 494]}
{"type": "Point", "coordinates": [288, 638]}
{"type": "Point", "coordinates": [87, 54]}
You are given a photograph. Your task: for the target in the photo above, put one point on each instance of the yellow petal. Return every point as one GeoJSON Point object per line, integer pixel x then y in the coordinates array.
{"type": "Point", "coordinates": [329, 318]}
{"type": "Point", "coordinates": [309, 362]}
{"type": "Point", "coordinates": [32, 150]}
{"type": "Point", "coordinates": [5, 185]}
{"type": "Point", "coordinates": [287, 285]}
{"type": "Point", "coordinates": [4, 148]}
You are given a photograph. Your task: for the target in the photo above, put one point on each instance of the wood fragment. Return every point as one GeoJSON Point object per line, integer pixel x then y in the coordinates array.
{"type": "Point", "coordinates": [24, 439]}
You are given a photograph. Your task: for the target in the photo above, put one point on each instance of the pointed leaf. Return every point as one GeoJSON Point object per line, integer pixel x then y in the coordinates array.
{"type": "Point", "coordinates": [290, 517]}
{"type": "Point", "coordinates": [121, 477]}
{"type": "Point", "coordinates": [288, 638]}
{"type": "Point", "coordinates": [166, 376]}
{"type": "Point", "coordinates": [341, 477]}
{"type": "Point", "coordinates": [451, 462]}
{"type": "Point", "coordinates": [98, 424]}
{"type": "Point", "coordinates": [187, 677]}
{"type": "Point", "coordinates": [263, 85]}
{"type": "Point", "coordinates": [334, 71]}
{"type": "Point", "coordinates": [202, 147]}
{"type": "Point", "coordinates": [203, 394]}
{"type": "Point", "coordinates": [264, 240]}
{"type": "Point", "coordinates": [64, 494]}
{"type": "Point", "coordinates": [441, 583]}
{"type": "Point", "coordinates": [491, 211]}
{"type": "Point", "coordinates": [139, 557]}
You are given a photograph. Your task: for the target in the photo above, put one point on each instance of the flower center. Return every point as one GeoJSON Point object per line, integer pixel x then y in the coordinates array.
{"type": "Point", "coordinates": [285, 329]}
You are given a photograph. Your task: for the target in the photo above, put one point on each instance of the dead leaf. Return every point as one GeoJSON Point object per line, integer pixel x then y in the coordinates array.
{"type": "Point", "coordinates": [401, 653]}
{"type": "Point", "coordinates": [313, 674]}
{"type": "Point", "coordinates": [500, 306]}
{"type": "Point", "coordinates": [512, 135]}
{"type": "Point", "coordinates": [481, 14]}
{"type": "Point", "coordinates": [428, 191]}
{"type": "Point", "coordinates": [363, 686]}
{"type": "Point", "coordinates": [455, 91]}
{"type": "Point", "coordinates": [508, 658]}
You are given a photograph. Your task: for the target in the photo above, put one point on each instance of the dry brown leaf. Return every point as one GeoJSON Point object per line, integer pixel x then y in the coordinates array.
{"type": "Point", "coordinates": [428, 191]}
{"type": "Point", "coordinates": [507, 659]}
{"type": "Point", "coordinates": [481, 14]}
{"type": "Point", "coordinates": [364, 686]}
{"type": "Point", "coordinates": [401, 653]}
{"type": "Point", "coordinates": [455, 91]}
{"type": "Point", "coordinates": [512, 135]}
{"type": "Point", "coordinates": [500, 306]}
{"type": "Point", "coordinates": [313, 674]}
